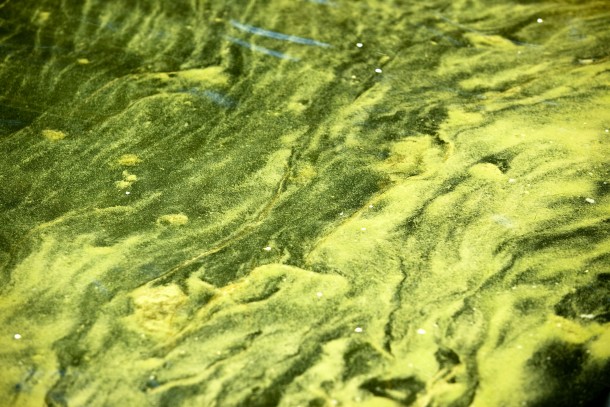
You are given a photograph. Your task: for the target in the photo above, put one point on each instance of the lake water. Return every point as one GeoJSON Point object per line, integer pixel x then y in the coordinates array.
{"type": "Point", "coordinates": [304, 203]}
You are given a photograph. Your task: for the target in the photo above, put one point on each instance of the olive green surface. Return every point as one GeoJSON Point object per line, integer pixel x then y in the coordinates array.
{"type": "Point", "coordinates": [304, 203]}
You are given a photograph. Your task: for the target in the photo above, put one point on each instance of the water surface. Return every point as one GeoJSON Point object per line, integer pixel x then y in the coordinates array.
{"type": "Point", "coordinates": [304, 203]}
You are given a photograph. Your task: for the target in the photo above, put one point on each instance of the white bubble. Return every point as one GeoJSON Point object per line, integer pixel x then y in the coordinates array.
{"type": "Point", "coordinates": [359, 44]}
{"type": "Point", "coordinates": [539, 20]}
{"type": "Point", "coordinates": [378, 70]}
{"type": "Point", "coordinates": [17, 336]}
{"type": "Point", "coordinates": [358, 329]}
{"type": "Point", "coordinates": [268, 248]}
{"type": "Point", "coordinates": [421, 331]}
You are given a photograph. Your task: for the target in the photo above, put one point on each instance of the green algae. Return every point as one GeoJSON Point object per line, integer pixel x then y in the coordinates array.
{"type": "Point", "coordinates": [418, 220]}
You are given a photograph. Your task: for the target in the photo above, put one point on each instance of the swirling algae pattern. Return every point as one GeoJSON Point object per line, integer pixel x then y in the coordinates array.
{"type": "Point", "coordinates": [304, 203]}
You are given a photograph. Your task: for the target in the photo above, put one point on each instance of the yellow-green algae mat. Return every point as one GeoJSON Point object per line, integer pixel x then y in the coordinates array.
{"type": "Point", "coordinates": [304, 203]}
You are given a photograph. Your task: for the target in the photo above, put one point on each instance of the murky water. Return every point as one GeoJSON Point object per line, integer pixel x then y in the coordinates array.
{"type": "Point", "coordinates": [304, 203]}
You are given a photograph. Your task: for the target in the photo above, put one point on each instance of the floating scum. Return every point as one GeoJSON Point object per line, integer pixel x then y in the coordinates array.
{"type": "Point", "coordinates": [416, 216]}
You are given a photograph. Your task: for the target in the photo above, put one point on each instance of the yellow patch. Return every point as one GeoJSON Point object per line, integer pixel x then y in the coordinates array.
{"type": "Point", "coordinates": [174, 219]}
{"type": "Point", "coordinates": [129, 160]}
{"type": "Point", "coordinates": [53, 135]}
{"type": "Point", "coordinates": [157, 309]}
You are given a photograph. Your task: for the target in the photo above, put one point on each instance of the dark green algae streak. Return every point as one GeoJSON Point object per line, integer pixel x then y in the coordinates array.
{"type": "Point", "coordinates": [197, 212]}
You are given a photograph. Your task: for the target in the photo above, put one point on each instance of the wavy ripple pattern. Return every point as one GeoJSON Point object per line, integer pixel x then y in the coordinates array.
{"type": "Point", "coordinates": [304, 203]}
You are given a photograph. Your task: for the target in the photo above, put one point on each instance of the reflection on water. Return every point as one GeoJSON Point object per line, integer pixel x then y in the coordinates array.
{"type": "Point", "coordinates": [306, 203]}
